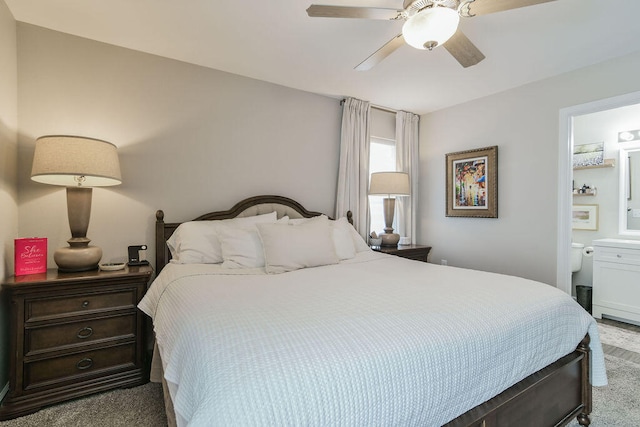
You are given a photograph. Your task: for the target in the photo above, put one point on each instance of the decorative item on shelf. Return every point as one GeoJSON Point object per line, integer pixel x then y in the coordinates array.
{"type": "Point", "coordinates": [77, 163]}
{"type": "Point", "coordinates": [112, 266]}
{"type": "Point", "coordinates": [585, 190]}
{"type": "Point", "coordinates": [389, 184]}
{"type": "Point", "coordinates": [134, 255]}
{"type": "Point", "coordinates": [30, 256]}
{"type": "Point", "coordinates": [374, 240]}
{"type": "Point", "coordinates": [588, 155]}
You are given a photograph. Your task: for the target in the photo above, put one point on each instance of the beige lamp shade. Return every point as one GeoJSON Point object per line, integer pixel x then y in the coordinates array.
{"type": "Point", "coordinates": [74, 161]}
{"type": "Point", "coordinates": [389, 184]}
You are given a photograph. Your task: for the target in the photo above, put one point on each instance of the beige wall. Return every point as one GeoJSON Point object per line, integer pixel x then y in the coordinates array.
{"type": "Point", "coordinates": [8, 165]}
{"type": "Point", "coordinates": [190, 139]}
{"type": "Point", "coordinates": [183, 131]}
{"type": "Point", "coordinates": [524, 123]}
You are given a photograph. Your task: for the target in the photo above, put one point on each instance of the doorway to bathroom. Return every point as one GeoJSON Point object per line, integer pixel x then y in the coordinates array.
{"type": "Point", "coordinates": [597, 194]}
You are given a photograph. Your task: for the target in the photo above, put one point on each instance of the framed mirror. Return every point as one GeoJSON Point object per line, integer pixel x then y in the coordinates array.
{"type": "Point", "coordinates": [629, 189]}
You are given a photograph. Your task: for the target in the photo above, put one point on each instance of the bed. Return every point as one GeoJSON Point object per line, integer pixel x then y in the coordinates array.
{"type": "Point", "coordinates": [355, 337]}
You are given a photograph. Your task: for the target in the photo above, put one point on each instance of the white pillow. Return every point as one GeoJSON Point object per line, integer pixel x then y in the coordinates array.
{"type": "Point", "coordinates": [291, 247]}
{"type": "Point", "coordinates": [241, 247]}
{"type": "Point", "coordinates": [298, 221]}
{"type": "Point", "coordinates": [343, 249]}
{"type": "Point", "coordinates": [359, 243]}
{"type": "Point", "coordinates": [196, 242]}
{"type": "Point", "coordinates": [345, 246]}
{"type": "Point", "coordinates": [358, 240]}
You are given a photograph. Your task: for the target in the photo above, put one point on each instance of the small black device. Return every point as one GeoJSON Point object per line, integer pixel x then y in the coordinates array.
{"type": "Point", "coordinates": [134, 255]}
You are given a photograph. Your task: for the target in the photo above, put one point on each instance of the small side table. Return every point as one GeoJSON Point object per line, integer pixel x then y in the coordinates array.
{"type": "Point", "coordinates": [415, 252]}
{"type": "Point", "coordinates": [73, 334]}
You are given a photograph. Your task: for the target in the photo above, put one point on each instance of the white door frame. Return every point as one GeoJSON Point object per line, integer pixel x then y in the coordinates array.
{"type": "Point", "coordinates": [565, 177]}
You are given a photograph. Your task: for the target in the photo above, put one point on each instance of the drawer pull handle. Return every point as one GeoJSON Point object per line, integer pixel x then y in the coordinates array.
{"type": "Point", "coordinates": [85, 332]}
{"type": "Point", "coordinates": [85, 304]}
{"type": "Point", "coordinates": [85, 363]}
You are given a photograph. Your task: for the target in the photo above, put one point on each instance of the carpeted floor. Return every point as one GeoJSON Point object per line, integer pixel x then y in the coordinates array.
{"type": "Point", "coordinates": [140, 407]}
{"type": "Point", "coordinates": [616, 405]}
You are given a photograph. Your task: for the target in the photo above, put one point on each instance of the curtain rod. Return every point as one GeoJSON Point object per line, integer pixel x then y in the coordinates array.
{"type": "Point", "coordinates": [377, 107]}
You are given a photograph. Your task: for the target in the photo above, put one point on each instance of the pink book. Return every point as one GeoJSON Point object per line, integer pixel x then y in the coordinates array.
{"type": "Point", "coordinates": [30, 255]}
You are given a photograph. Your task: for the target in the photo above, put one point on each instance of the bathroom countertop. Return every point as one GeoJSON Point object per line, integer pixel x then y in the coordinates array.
{"type": "Point", "coordinates": [617, 243]}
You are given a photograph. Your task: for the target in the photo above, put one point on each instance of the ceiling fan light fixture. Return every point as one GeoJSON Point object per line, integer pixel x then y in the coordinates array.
{"type": "Point", "coordinates": [430, 27]}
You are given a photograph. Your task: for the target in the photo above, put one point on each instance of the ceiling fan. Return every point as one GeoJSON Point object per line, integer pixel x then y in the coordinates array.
{"type": "Point", "coordinates": [429, 23]}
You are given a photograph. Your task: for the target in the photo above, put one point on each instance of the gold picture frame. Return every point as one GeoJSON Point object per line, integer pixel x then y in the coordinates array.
{"type": "Point", "coordinates": [472, 183]}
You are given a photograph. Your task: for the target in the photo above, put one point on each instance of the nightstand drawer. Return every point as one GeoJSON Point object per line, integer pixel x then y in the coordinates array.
{"type": "Point", "coordinates": [72, 305]}
{"type": "Point", "coordinates": [416, 255]}
{"type": "Point", "coordinates": [76, 333]}
{"type": "Point", "coordinates": [68, 368]}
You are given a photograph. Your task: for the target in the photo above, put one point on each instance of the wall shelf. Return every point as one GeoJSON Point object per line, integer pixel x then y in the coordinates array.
{"type": "Point", "coordinates": [588, 192]}
{"type": "Point", "coordinates": [608, 163]}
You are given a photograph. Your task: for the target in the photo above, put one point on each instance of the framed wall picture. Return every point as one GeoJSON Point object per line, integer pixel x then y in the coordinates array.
{"type": "Point", "coordinates": [588, 155]}
{"type": "Point", "coordinates": [472, 183]}
{"type": "Point", "coordinates": [584, 217]}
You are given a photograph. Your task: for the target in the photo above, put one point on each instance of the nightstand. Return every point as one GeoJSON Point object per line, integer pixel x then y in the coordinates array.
{"type": "Point", "coordinates": [73, 334]}
{"type": "Point", "coordinates": [416, 252]}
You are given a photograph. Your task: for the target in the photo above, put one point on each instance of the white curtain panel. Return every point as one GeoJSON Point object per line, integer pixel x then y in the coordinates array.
{"type": "Point", "coordinates": [353, 173]}
{"type": "Point", "coordinates": [407, 160]}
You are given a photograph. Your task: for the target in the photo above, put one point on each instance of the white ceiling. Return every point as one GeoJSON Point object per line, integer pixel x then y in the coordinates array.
{"type": "Point", "coordinates": [275, 41]}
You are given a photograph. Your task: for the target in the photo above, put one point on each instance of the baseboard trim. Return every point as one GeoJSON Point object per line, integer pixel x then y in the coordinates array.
{"type": "Point", "coordinates": [4, 391]}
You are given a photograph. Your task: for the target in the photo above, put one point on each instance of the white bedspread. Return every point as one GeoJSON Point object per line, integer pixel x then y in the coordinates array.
{"type": "Point", "coordinates": [376, 340]}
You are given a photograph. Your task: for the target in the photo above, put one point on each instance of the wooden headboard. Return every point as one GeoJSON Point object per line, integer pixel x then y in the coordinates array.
{"type": "Point", "coordinates": [252, 206]}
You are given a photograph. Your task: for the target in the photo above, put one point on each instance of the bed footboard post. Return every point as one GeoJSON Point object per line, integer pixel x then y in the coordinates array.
{"type": "Point", "coordinates": [583, 417]}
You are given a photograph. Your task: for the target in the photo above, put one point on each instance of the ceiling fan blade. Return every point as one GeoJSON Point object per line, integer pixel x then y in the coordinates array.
{"type": "Point", "coordinates": [381, 53]}
{"type": "Point", "coordinates": [461, 48]}
{"type": "Point", "coordinates": [320, 11]}
{"type": "Point", "coordinates": [485, 7]}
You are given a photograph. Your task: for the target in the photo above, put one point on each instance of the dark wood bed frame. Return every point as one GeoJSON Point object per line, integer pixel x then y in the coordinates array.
{"type": "Point", "coordinates": [553, 396]}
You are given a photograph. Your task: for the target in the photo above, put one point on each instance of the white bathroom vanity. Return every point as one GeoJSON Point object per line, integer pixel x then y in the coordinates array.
{"type": "Point", "coordinates": [616, 279]}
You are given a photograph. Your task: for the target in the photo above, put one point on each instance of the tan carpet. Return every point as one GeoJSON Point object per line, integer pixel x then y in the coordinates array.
{"type": "Point", "coordinates": [618, 404]}
{"type": "Point", "coordinates": [140, 407]}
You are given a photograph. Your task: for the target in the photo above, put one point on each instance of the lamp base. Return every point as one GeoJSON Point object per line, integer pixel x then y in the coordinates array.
{"type": "Point", "coordinates": [390, 239]}
{"type": "Point", "coordinates": [77, 258]}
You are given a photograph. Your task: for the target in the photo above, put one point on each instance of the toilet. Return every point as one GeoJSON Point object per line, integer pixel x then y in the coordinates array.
{"type": "Point", "coordinates": [576, 256]}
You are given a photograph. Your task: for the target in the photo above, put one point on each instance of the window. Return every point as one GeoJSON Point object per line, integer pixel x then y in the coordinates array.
{"type": "Point", "coordinates": [382, 158]}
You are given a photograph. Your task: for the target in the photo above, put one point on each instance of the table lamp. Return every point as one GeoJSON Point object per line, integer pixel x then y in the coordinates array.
{"type": "Point", "coordinates": [389, 184]}
{"type": "Point", "coordinates": [79, 164]}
